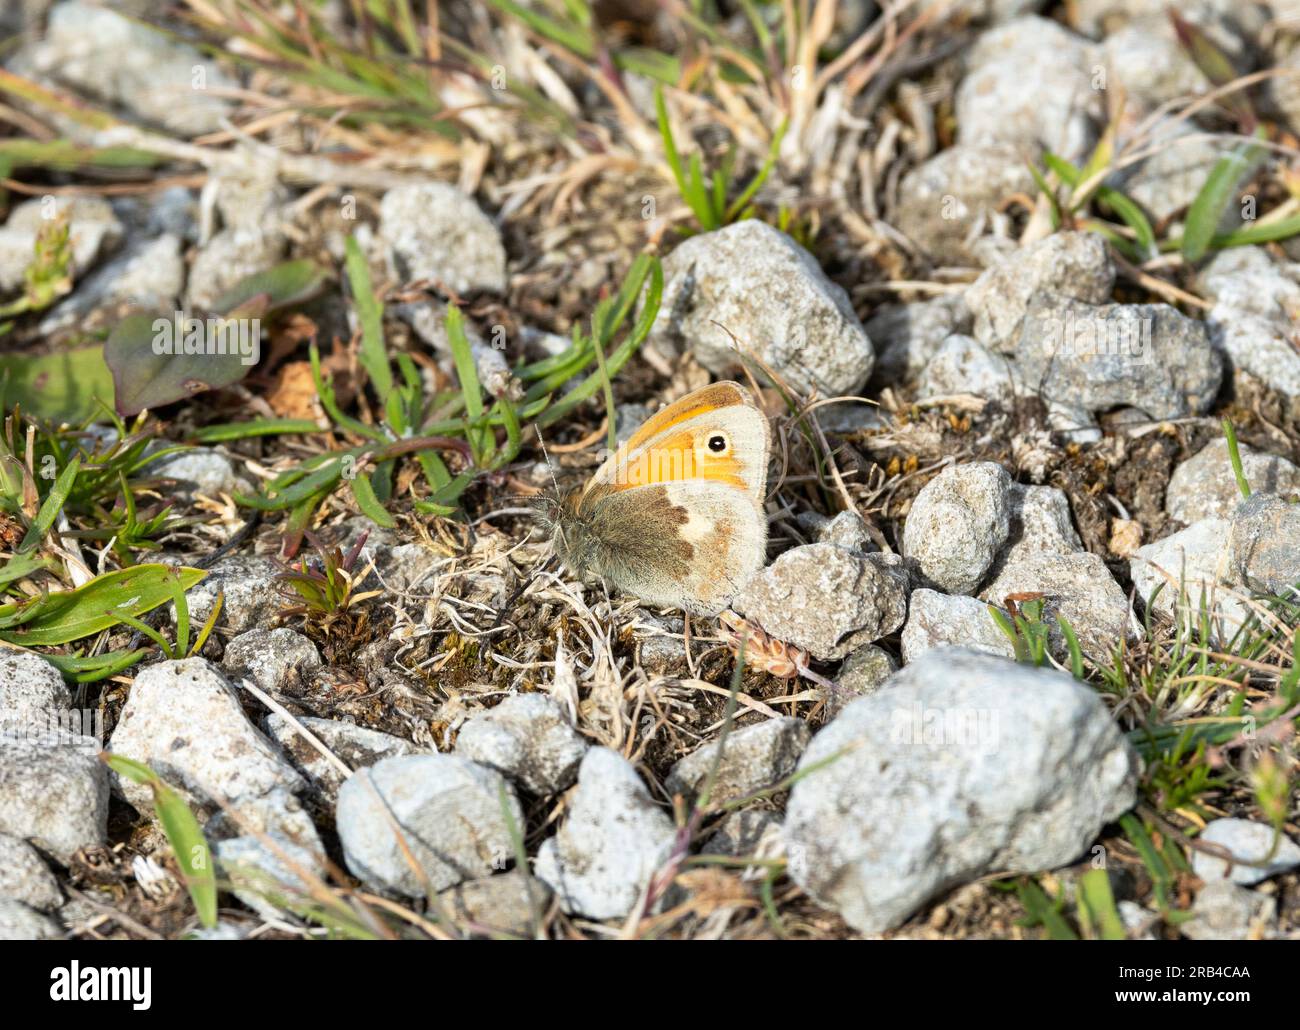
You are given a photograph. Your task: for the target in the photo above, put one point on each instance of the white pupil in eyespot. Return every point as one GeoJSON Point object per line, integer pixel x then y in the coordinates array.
{"type": "Point", "coordinates": [717, 444]}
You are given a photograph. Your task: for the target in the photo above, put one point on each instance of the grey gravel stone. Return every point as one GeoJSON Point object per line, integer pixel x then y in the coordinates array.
{"type": "Point", "coordinates": [957, 524]}
{"type": "Point", "coordinates": [1250, 842]}
{"type": "Point", "coordinates": [200, 470]}
{"type": "Point", "coordinates": [232, 254]}
{"type": "Point", "coordinates": [1077, 265]}
{"type": "Point", "coordinates": [1256, 301]}
{"type": "Point", "coordinates": [511, 903]}
{"type": "Point", "coordinates": [964, 365]}
{"type": "Point", "coordinates": [93, 230]}
{"type": "Point", "coordinates": [53, 791]}
{"type": "Point", "coordinates": [1205, 487]}
{"type": "Point", "coordinates": [1231, 23]}
{"type": "Point", "coordinates": [448, 812]}
{"type": "Point", "coordinates": [1150, 64]}
{"type": "Point", "coordinates": [1041, 523]}
{"type": "Point", "coordinates": [124, 62]}
{"type": "Point", "coordinates": [268, 879]}
{"type": "Point", "coordinates": [751, 831]}
{"type": "Point", "coordinates": [847, 531]}
{"type": "Point", "coordinates": [1060, 112]}
{"type": "Point", "coordinates": [184, 720]}
{"type": "Point", "coordinates": [1167, 181]}
{"type": "Point", "coordinates": [937, 620]}
{"type": "Point", "coordinates": [1097, 357]}
{"type": "Point", "coordinates": [355, 746]}
{"type": "Point", "coordinates": [19, 922]}
{"type": "Point", "coordinates": [527, 738]}
{"type": "Point", "coordinates": [1191, 566]}
{"type": "Point", "coordinates": [862, 673]}
{"type": "Point", "coordinates": [907, 336]}
{"type": "Point", "coordinates": [149, 274]}
{"type": "Point", "coordinates": [271, 658]}
{"type": "Point", "coordinates": [613, 840]}
{"type": "Point", "coordinates": [963, 764]}
{"type": "Point", "coordinates": [1264, 544]}
{"type": "Point", "coordinates": [826, 600]}
{"type": "Point", "coordinates": [1077, 586]}
{"type": "Point", "coordinates": [772, 295]}
{"type": "Point", "coordinates": [1225, 911]}
{"type": "Point", "coordinates": [30, 688]}
{"type": "Point", "coordinates": [252, 595]}
{"type": "Point", "coordinates": [25, 877]}
{"type": "Point", "coordinates": [434, 231]}
{"type": "Point", "coordinates": [948, 201]}
{"type": "Point", "coordinates": [753, 757]}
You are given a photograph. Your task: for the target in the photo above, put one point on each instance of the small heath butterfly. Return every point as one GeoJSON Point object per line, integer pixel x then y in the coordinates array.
{"type": "Point", "coordinates": [675, 516]}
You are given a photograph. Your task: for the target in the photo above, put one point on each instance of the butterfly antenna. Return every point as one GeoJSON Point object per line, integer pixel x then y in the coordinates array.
{"type": "Point", "coordinates": [549, 467]}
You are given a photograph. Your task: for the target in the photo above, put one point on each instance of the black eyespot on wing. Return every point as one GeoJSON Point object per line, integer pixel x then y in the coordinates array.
{"type": "Point", "coordinates": [717, 443]}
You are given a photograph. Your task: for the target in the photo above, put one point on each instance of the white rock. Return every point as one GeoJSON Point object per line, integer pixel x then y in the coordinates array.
{"type": "Point", "coordinates": [1073, 264]}
{"type": "Point", "coordinates": [1060, 111]}
{"type": "Point", "coordinates": [31, 689]}
{"type": "Point", "coordinates": [527, 738]}
{"type": "Point", "coordinates": [53, 791]}
{"type": "Point", "coordinates": [1225, 911]}
{"type": "Point", "coordinates": [355, 746]}
{"type": "Point", "coordinates": [1190, 566]}
{"type": "Point", "coordinates": [958, 523]}
{"type": "Point", "coordinates": [447, 811]}
{"type": "Point", "coordinates": [963, 764]}
{"type": "Point", "coordinates": [125, 62]}
{"type": "Point", "coordinates": [272, 658]}
{"type": "Point", "coordinates": [231, 255]}
{"type": "Point", "coordinates": [252, 595]}
{"type": "Point", "coordinates": [1078, 587]}
{"type": "Point", "coordinates": [1264, 544]}
{"type": "Point", "coordinates": [1041, 523]}
{"type": "Point", "coordinates": [1250, 842]}
{"type": "Point", "coordinates": [964, 365]}
{"type": "Point", "coordinates": [25, 877]}
{"type": "Point", "coordinates": [946, 203]}
{"type": "Point", "coordinates": [269, 879]}
{"type": "Point", "coordinates": [772, 295]}
{"type": "Point", "coordinates": [19, 922]}
{"type": "Point", "coordinates": [512, 903]}
{"type": "Point", "coordinates": [614, 839]}
{"type": "Point", "coordinates": [939, 620]}
{"type": "Point", "coordinates": [753, 757]}
{"type": "Point", "coordinates": [199, 470]}
{"type": "Point", "coordinates": [184, 720]}
{"type": "Point", "coordinates": [827, 600]}
{"type": "Point", "coordinates": [1256, 301]}
{"type": "Point", "coordinates": [434, 231]}
{"type": "Point", "coordinates": [907, 336]}
{"type": "Point", "coordinates": [93, 229]}
{"type": "Point", "coordinates": [1205, 487]}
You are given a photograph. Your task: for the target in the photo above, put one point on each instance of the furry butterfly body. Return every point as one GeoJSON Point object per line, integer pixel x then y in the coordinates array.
{"type": "Point", "coordinates": [675, 516]}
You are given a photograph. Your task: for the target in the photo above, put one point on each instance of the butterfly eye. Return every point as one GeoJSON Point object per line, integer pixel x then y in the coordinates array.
{"type": "Point", "coordinates": [718, 443]}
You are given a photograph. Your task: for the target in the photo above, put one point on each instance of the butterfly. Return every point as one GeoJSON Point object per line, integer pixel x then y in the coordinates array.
{"type": "Point", "coordinates": [675, 515]}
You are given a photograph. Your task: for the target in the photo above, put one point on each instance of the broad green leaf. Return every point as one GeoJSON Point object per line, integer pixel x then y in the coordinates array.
{"type": "Point", "coordinates": [67, 386]}
{"type": "Point", "coordinates": [156, 360]}
{"type": "Point", "coordinates": [147, 373]}
{"type": "Point", "coordinates": [73, 614]}
{"type": "Point", "coordinates": [289, 283]}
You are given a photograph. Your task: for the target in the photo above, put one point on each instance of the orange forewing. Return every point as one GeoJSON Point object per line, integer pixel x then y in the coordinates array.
{"type": "Point", "coordinates": [674, 459]}
{"type": "Point", "coordinates": [710, 398]}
